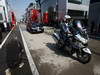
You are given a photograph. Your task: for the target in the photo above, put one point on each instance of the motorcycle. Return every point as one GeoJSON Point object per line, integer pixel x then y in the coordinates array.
{"type": "Point", "coordinates": [76, 43]}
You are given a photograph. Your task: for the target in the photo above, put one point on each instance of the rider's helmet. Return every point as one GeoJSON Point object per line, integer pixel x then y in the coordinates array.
{"type": "Point", "coordinates": [67, 18]}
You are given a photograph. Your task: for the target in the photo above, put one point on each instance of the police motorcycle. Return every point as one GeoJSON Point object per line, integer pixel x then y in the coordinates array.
{"type": "Point", "coordinates": [76, 42]}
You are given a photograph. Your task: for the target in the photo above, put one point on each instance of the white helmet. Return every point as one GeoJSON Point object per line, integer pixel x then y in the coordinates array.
{"type": "Point", "coordinates": [67, 17]}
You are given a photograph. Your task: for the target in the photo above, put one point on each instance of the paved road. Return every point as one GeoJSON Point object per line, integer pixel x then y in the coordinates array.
{"type": "Point", "coordinates": [50, 61]}
{"type": "Point", "coordinates": [4, 34]}
{"type": "Point", "coordinates": [5, 52]}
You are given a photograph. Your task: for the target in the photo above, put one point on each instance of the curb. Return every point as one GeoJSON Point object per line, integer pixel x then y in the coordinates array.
{"type": "Point", "coordinates": [33, 67]}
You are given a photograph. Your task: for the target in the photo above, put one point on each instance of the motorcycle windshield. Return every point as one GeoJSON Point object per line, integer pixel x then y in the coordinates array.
{"type": "Point", "coordinates": [79, 25]}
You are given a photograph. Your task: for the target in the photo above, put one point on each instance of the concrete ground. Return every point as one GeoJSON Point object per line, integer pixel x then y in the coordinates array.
{"type": "Point", "coordinates": [51, 61]}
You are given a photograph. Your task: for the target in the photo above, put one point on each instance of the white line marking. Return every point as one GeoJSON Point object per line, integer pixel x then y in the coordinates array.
{"type": "Point", "coordinates": [30, 59]}
{"type": "Point", "coordinates": [5, 38]}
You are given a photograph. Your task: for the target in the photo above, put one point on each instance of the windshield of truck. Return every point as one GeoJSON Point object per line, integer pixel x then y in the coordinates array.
{"type": "Point", "coordinates": [1, 17]}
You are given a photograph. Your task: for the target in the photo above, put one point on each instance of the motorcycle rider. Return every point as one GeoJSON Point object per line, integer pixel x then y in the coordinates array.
{"type": "Point", "coordinates": [66, 25]}
{"type": "Point", "coordinates": [65, 30]}
{"type": "Point", "coordinates": [70, 26]}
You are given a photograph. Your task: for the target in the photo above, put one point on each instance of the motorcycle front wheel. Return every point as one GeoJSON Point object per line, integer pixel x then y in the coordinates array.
{"type": "Point", "coordinates": [83, 56]}
{"type": "Point", "coordinates": [59, 44]}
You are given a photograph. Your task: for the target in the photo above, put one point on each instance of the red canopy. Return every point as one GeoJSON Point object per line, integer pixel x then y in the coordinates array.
{"type": "Point", "coordinates": [45, 17]}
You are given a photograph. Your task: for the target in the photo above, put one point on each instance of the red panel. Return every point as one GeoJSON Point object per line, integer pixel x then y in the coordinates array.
{"type": "Point", "coordinates": [45, 17]}
{"type": "Point", "coordinates": [12, 18]}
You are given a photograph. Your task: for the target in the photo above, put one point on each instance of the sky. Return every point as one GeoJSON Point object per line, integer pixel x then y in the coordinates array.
{"type": "Point", "coordinates": [19, 6]}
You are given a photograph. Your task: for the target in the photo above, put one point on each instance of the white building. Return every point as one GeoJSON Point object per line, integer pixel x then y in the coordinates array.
{"type": "Point", "coordinates": [4, 13]}
{"type": "Point", "coordinates": [75, 8]}
{"type": "Point", "coordinates": [4, 4]}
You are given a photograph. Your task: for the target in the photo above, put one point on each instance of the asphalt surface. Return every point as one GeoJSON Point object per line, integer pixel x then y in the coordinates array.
{"type": "Point", "coordinates": [4, 34]}
{"type": "Point", "coordinates": [51, 61]}
{"type": "Point", "coordinates": [8, 52]}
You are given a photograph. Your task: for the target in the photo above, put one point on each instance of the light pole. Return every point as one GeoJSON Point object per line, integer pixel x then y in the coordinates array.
{"type": "Point", "coordinates": [57, 10]}
{"type": "Point", "coordinates": [39, 2]}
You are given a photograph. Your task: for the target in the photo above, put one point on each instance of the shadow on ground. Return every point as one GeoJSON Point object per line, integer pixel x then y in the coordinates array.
{"type": "Point", "coordinates": [62, 52]}
{"type": "Point", "coordinates": [10, 56]}
{"type": "Point", "coordinates": [96, 53]}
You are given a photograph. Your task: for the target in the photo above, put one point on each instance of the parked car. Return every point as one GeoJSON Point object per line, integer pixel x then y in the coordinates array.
{"type": "Point", "coordinates": [35, 27]}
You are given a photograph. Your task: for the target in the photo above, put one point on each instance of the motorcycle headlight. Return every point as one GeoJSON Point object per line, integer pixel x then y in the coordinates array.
{"type": "Point", "coordinates": [84, 41]}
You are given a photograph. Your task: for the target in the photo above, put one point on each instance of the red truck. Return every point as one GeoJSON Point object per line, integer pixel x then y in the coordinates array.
{"type": "Point", "coordinates": [33, 21]}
